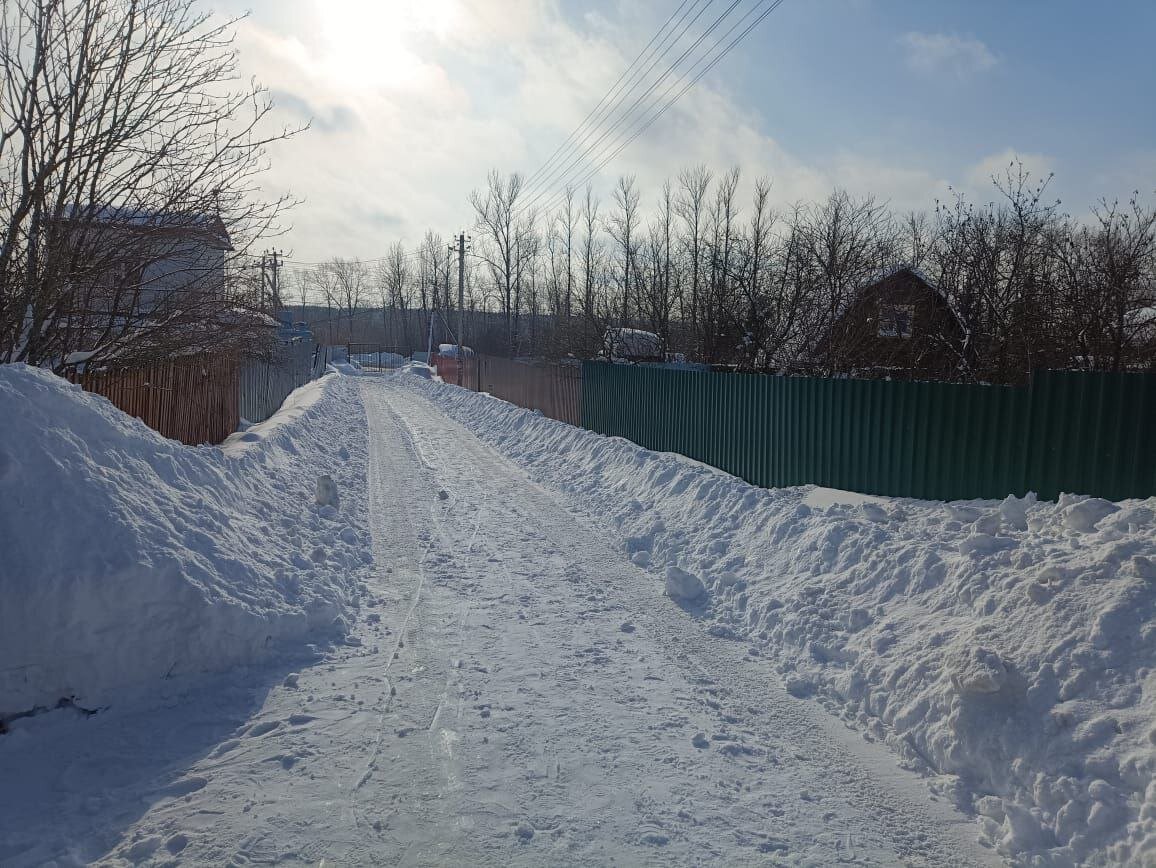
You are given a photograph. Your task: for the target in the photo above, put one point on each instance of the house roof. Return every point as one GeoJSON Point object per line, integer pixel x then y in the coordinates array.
{"type": "Point", "coordinates": [887, 274]}
{"type": "Point", "coordinates": [193, 223]}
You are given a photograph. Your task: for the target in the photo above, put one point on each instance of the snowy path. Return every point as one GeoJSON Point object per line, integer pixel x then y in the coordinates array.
{"type": "Point", "coordinates": [521, 694]}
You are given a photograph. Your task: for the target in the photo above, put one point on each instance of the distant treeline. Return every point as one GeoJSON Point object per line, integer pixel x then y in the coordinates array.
{"type": "Point", "coordinates": [743, 283]}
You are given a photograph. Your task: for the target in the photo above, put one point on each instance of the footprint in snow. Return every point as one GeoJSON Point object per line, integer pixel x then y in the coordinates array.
{"type": "Point", "coordinates": [773, 845]}
{"type": "Point", "coordinates": [287, 761]}
{"type": "Point", "coordinates": [143, 849]}
{"type": "Point", "coordinates": [185, 786]}
{"type": "Point", "coordinates": [260, 729]}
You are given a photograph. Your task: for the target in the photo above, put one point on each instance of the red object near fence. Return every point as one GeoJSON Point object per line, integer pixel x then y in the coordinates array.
{"type": "Point", "coordinates": [447, 368]}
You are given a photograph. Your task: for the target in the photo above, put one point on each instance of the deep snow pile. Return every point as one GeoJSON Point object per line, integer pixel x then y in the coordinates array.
{"type": "Point", "coordinates": [1007, 649]}
{"type": "Point", "coordinates": [127, 557]}
{"type": "Point", "coordinates": [296, 404]}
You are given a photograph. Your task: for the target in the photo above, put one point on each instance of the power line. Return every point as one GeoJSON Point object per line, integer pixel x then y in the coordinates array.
{"type": "Point", "coordinates": [572, 163]}
{"type": "Point", "coordinates": [298, 262]}
{"type": "Point", "coordinates": [631, 132]}
{"type": "Point", "coordinates": [530, 182]}
{"type": "Point", "coordinates": [256, 260]}
{"type": "Point", "coordinates": [556, 198]}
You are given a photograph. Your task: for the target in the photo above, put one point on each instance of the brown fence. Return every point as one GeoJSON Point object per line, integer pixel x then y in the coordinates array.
{"type": "Point", "coordinates": [555, 389]}
{"type": "Point", "coordinates": [193, 400]}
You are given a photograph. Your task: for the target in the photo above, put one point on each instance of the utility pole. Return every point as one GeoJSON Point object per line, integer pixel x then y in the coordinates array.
{"type": "Point", "coordinates": [461, 300]}
{"type": "Point", "coordinates": [276, 283]}
{"type": "Point", "coordinates": [270, 280]}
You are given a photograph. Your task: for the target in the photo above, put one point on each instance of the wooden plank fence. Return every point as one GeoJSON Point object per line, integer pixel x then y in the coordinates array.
{"type": "Point", "coordinates": [202, 398]}
{"type": "Point", "coordinates": [192, 399]}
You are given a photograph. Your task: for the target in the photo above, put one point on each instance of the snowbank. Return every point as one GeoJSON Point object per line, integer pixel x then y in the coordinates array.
{"type": "Point", "coordinates": [128, 557]}
{"type": "Point", "coordinates": [1006, 649]}
{"type": "Point", "coordinates": [420, 370]}
{"type": "Point", "coordinates": [296, 404]}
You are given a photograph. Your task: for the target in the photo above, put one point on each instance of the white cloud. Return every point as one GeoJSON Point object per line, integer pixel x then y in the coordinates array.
{"type": "Point", "coordinates": [397, 151]}
{"type": "Point", "coordinates": [935, 52]}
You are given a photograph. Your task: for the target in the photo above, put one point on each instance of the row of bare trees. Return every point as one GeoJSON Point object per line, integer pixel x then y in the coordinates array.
{"type": "Point", "coordinates": [729, 280]}
{"type": "Point", "coordinates": [723, 277]}
{"type": "Point", "coordinates": [129, 166]}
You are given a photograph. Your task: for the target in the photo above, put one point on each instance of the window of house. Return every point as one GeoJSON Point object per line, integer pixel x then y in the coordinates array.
{"type": "Point", "coordinates": [896, 320]}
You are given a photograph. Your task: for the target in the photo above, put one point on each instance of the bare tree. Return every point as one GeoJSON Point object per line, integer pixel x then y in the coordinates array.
{"type": "Point", "coordinates": [349, 279]}
{"type": "Point", "coordinates": [1107, 280]}
{"type": "Point", "coordinates": [591, 268]}
{"type": "Point", "coordinates": [396, 293]}
{"type": "Point", "coordinates": [719, 343]}
{"type": "Point", "coordinates": [694, 184]}
{"type": "Point", "coordinates": [322, 282]}
{"type": "Point", "coordinates": [503, 237]}
{"type": "Point", "coordinates": [1016, 284]}
{"type": "Point", "coordinates": [755, 317]}
{"type": "Point", "coordinates": [657, 292]}
{"type": "Point", "coordinates": [125, 146]}
{"type": "Point", "coordinates": [299, 281]}
{"type": "Point", "coordinates": [993, 264]}
{"type": "Point", "coordinates": [845, 242]}
{"type": "Point", "coordinates": [623, 228]}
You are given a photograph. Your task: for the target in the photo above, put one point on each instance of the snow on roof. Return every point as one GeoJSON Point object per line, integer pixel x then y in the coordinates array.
{"type": "Point", "coordinates": [624, 343]}
{"type": "Point", "coordinates": [450, 351]}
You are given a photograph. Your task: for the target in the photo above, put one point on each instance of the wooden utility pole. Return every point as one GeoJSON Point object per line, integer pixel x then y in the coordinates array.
{"type": "Point", "coordinates": [461, 301]}
{"type": "Point", "coordinates": [276, 264]}
{"type": "Point", "coordinates": [270, 280]}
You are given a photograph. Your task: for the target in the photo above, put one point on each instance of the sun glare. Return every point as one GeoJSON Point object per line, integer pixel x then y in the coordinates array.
{"type": "Point", "coordinates": [371, 43]}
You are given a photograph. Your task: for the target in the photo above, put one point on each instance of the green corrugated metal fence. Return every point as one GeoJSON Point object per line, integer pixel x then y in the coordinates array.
{"type": "Point", "coordinates": [1067, 431]}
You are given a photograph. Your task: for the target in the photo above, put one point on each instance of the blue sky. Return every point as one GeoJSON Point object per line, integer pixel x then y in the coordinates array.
{"type": "Point", "coordinates": [414, 101]}
{"type": "Point", "coordinates": [1076, 81]}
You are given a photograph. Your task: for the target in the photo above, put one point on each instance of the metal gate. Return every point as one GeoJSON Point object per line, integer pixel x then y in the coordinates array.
{"type": "Point", "coordinates": [376, 357]}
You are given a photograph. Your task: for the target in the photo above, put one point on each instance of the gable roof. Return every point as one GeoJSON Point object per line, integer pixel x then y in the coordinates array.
{"type": "Point", "coordinates": [193, 224]}
{"type": "Point", "coordinates": [885, 275]}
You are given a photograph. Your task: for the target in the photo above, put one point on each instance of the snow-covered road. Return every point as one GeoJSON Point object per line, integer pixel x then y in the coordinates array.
{"type": "Point", "coordinates": [515, 692]}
